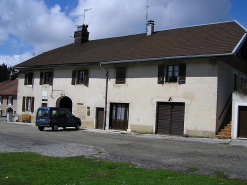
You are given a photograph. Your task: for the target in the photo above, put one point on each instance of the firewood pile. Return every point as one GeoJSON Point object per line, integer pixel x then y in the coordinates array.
{"type": "Point", "coordinates": [26, 118]}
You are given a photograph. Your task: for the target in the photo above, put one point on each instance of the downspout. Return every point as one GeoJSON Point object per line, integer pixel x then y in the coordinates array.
{"type": "Point", "coordinates": [106, 88]}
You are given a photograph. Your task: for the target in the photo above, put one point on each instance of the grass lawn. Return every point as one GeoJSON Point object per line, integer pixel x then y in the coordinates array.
{"type": "Point", "coordinates": [30, 168]}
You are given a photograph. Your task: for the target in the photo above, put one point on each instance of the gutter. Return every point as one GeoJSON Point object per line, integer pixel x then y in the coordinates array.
{"type": "Point", "coordinates": [168, 58]}
{"type": "Point", "coordinates": [106, 89]}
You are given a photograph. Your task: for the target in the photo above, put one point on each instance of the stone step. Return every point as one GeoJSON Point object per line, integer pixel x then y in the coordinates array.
{"type": "Point", "coordinates": [222, 137]}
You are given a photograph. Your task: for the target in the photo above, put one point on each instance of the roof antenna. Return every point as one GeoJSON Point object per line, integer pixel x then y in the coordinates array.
{"type": "Point", "coordinates": [147, 7]}
{"type": "Point", "coordinates": [84, 15]}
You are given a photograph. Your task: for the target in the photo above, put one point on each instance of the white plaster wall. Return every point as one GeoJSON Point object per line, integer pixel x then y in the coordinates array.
{"type": "Point", "coordinates": [141, 91]}
{"type": "Point", "coordinates": [199, 94]}
{"type": "Point", "coordinates": [87, 96]}
{"type": "Point", "coordinates": [237, 100]}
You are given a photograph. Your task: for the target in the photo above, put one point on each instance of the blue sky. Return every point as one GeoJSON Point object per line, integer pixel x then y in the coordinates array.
{"type": "Point", "coordinates": [31, 27]}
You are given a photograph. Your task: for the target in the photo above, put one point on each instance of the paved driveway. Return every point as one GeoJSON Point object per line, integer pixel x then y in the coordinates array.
{"type": "Point", "coordinates": [148, 151]}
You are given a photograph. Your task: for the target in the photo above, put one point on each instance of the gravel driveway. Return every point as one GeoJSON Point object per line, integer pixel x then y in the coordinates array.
{"type": "Point", "coordinates": [147, 151]}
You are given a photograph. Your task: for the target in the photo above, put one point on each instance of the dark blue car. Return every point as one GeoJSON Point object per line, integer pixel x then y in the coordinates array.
{"type": "Point", "coordinates": [55, 117]}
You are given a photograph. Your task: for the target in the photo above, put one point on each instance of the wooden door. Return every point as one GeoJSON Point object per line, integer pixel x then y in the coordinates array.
{"type": "Point", "coordinates": [242, 122]}
{"type": "Point", "coordinates": [170, 118]}
{"type": "Point", "coordinates": [119, 116]}
{"type": "Point", "coordinates": [100, 118]}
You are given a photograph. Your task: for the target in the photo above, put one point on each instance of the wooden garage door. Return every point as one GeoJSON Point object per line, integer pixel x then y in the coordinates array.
{"type": "Point", "coordinates": [170, 118]}
{"type": "Point", "coordinates": [242, 123]}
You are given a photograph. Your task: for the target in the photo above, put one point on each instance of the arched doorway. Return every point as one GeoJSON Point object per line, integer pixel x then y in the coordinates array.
{"type": "Point", "coordinates": [9, 109]}
{"type": "Point", "coordinates": [65, 102]}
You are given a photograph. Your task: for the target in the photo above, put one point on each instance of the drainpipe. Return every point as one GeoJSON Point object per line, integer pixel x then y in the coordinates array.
{"type": "Point", "coordinates": [106, 88]}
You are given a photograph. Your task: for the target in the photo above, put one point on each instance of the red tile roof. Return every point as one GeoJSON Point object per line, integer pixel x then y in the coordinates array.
{"type": "Point", "coordinates": [208, 39]}
{"type": "Point", "coordinates": [9, 87]}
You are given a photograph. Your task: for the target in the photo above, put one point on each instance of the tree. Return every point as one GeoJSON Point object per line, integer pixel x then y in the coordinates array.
{"type": "Point", "coordinates": [5, 71]}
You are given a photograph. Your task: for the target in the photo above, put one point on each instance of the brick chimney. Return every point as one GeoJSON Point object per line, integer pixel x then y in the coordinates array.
{"type": "Point", "coordinates": [81, 34]}
{"type": "Point", "coordinates": [150, 27]}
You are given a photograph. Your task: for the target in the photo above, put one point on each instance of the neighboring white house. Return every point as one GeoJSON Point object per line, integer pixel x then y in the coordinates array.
{"type": "Point", "coordinates": [173, 82]}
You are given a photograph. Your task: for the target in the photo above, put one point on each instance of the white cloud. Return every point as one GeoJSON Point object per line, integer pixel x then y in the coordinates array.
{"type": "Point", "coordinates": [43, 28]}
{"type": "Point", "coordinates": [15, 59]}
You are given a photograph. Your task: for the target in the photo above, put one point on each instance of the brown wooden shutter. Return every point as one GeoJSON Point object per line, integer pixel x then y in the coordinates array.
{"type": "Point", "coordinates": [32, 104]}
{"type": "Point", "coordinates": [32, 77]}
{"type": "Point", "coordinates": [85, 77]}
{"type": "Point", "coordinates": [12, 100]}
{"type": "Point", "coordinates": [120, 75]}
{"type": "Point", "coordinates": [23, 103]}
{"type": "Point", "coordinates": [41, 78]}
{"type": "Point", "coordinates": [182, 73]}
{"type": "Point", "coordinates": [50, 78]}
{"type": "Point", "coordinates": [161, 74]}
{"type": "Point", "coordinates": [73, 77]}
{"type": "Point", "coordinates": [26, 79]}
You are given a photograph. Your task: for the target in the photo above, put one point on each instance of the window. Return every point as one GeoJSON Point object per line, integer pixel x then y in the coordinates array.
{"type": "Point", "coordinates": [46, 77]}
{"type": "Point", "coordinates": [10, 100]}
{"type": "Point", "coordinates": [1, 100]}
{"type": "Point", "coordinates": [79, 77]}
{"type": "Point", "coordinates": [28, 104]}
{"type": "Point", "coordinates": [88, 111]}
{"type": "Point", "coordinates": [28, 79]}
{"type": "Point", "coordinates": [120, 75]}
{"type": "Point", "coordinates": [174, 73]}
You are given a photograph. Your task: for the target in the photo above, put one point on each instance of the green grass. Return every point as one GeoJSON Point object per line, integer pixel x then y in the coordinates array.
{"type": "Point", "coordinates": [30, 168]}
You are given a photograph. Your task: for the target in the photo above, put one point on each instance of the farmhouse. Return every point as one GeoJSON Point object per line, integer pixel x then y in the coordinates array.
{"type": "Point", "coordinates": [8, 97]}
{"type": "Point", "coordinates": [176, 82]}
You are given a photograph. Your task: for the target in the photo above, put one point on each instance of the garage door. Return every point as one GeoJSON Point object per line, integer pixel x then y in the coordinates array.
{"type": "Point", "coordinates": [170, 118]}
{"type": "Point", "coordinates": [242, 123]}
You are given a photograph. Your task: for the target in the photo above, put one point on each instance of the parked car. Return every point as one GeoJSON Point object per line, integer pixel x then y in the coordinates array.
{"type": "Point", "coordinates": [55, 117]}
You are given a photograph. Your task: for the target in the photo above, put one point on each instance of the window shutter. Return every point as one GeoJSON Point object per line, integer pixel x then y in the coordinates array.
{"type": "Point", "coordinates": [32, 104]}
{"type": "Point", "coordinates": [161, 74]}
{"type": "Point", "coordinates": [23, 104]}
{"type": "Point", "coordinates": [120, 75]}
{"type": "Point", "coordinates": [32, 77]}
{"type": "Point", "coordinates": [12, 100]}
{"type": "Point", "coordinates": [50, 78]}
{"type": "Point", "coordinates": [26, 79]}
{"type": "Point", "coordinates": [41, 78]}
{"type": "Point", "coordinates": [85, 77]}
{"type": "Point", "coordinates": [182, 73]}
{"type": "Point", "coordinates": [73, 77]}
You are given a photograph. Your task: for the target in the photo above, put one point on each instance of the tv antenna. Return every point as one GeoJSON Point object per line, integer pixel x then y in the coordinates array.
{"type": "Point", "coordinates": [147, 7]}
{"type": "Point", "coordinates": [84, 15]}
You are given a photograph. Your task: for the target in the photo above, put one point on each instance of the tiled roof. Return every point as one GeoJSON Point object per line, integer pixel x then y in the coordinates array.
{"type": "Point", "coordinates": [9, 87]}
{"type": "Point", "coordinates": [208, 39]}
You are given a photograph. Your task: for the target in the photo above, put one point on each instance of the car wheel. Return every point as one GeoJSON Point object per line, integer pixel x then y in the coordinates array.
{"type": "Point", "coordinates": [77, 126]}
{"type": "Point", "coordinates": [41, 128]}
{"type": "Point", "coordinates": [54, 127]}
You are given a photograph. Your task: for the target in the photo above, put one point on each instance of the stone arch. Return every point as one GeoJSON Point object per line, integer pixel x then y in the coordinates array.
{"type": "Point", "coordinates": [64, 102]}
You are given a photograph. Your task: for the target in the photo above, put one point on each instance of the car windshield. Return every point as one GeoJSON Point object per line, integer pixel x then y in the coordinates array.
{"type": "Point", "coordinates": [43, 112]}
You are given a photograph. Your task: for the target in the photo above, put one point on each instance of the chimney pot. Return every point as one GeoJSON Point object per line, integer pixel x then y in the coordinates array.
{"type": "Point", "coordinates": [150, 27]}
{"type": "Point", "coordinates": [81, 34]}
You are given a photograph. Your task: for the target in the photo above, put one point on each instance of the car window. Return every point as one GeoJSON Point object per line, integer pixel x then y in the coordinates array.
{"type": "Point", "coordinates": [61, 113]}
{"type": "Point", "coordinates": [43, 112]}
{"type": "Point", "coordinates": [54, 113]}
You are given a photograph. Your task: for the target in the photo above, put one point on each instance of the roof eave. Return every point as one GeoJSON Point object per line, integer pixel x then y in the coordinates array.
{"type": "Point", "coordinates": [169, 58]}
